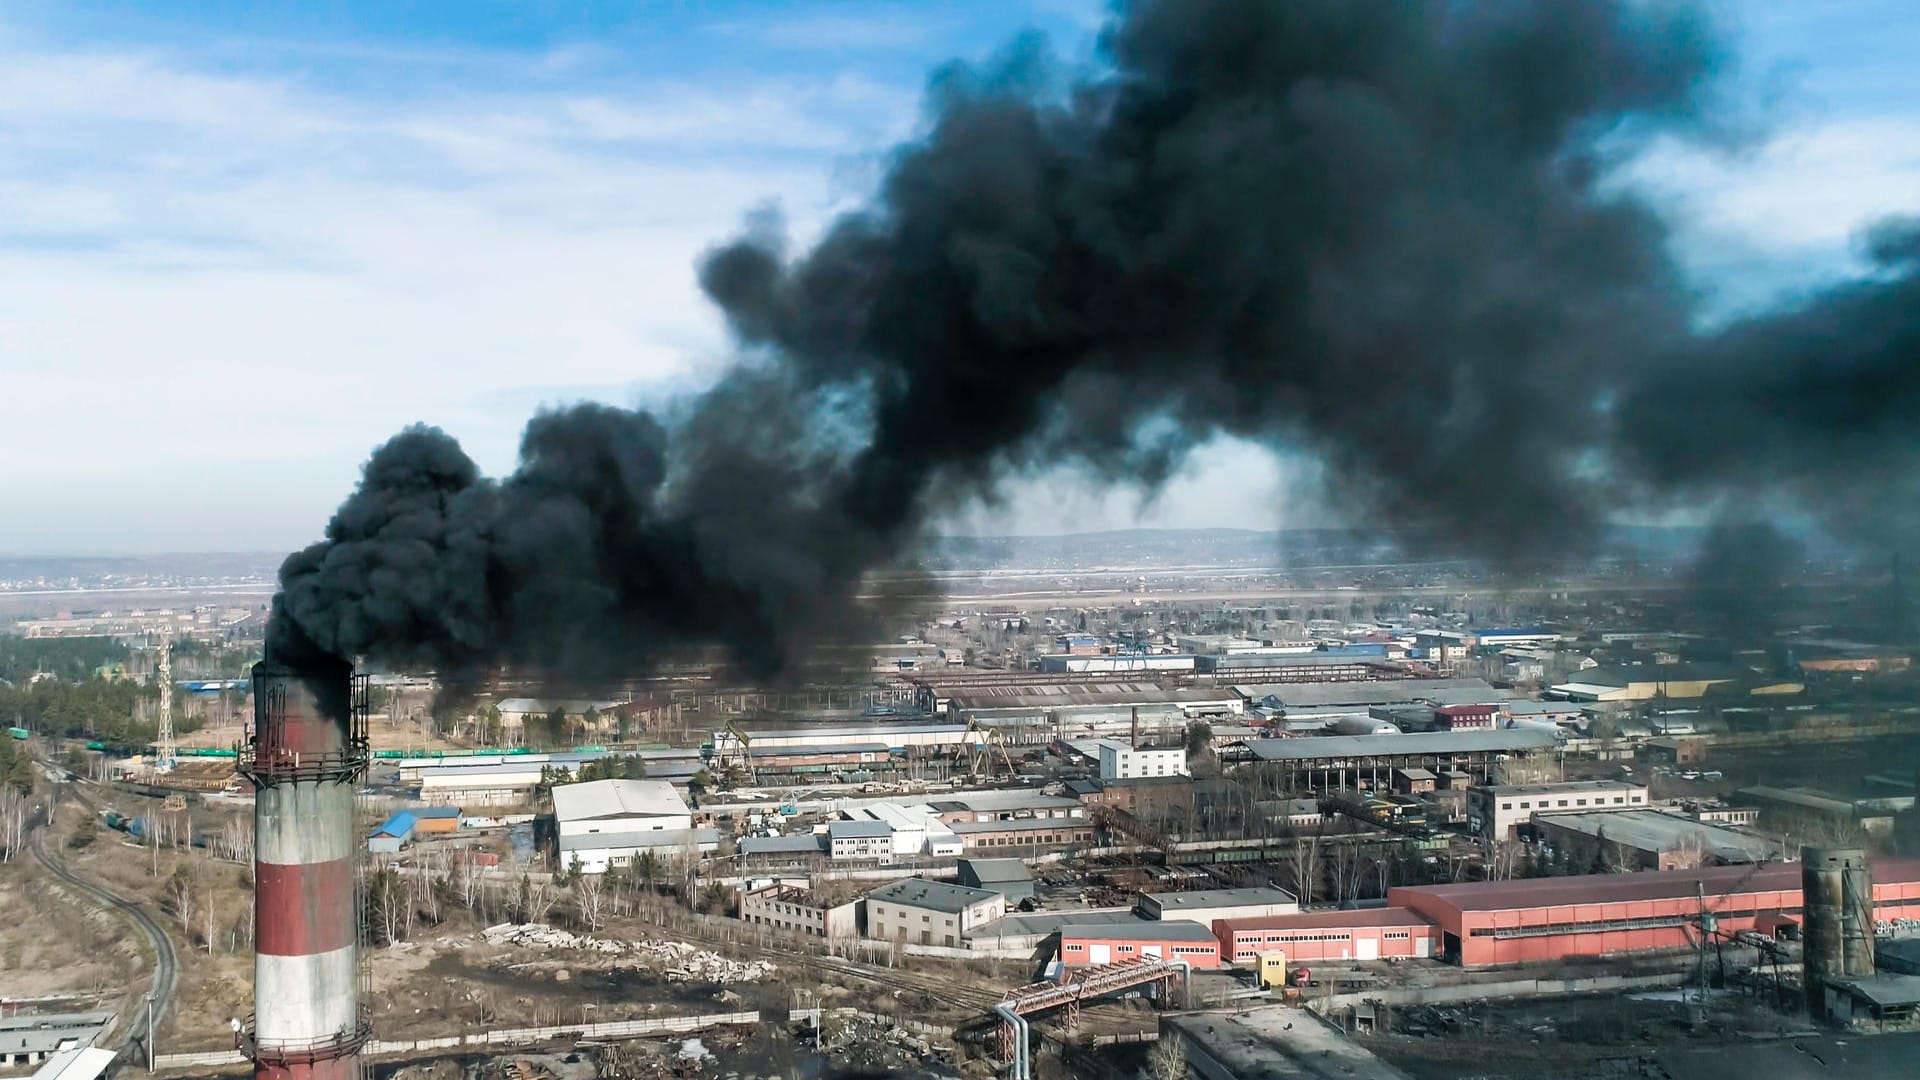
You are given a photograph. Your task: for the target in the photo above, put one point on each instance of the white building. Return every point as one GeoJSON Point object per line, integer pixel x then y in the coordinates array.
{"type": "Point", "coordinates": [868, 839]}
{"type": "Point", "coordinates": [596, 852]}
{"type": "Point", "coordinates": [619, 806]}
{"type": "Point", "coordinates": [916, 829]}
{"type": "Point", "coordinates": [1496, 810]}
{"type": "Point", "coordinates": [924, 912]}
{"type": "Point", "coordinates": [1121, 760]}
{"type": "Point", "coordinates": [1203, 906]}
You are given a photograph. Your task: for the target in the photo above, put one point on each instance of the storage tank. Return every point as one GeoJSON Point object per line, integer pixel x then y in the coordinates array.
{"type": "Point", "coordinates": [1837, 902]}
{"type": "Point", "coordinates": [1362, 725]}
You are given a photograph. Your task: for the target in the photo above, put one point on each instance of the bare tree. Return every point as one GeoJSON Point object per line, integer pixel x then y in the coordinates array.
{"type": "Point", "coordinates": [1168, 1058]}
{"type": "Point", "coordinates": [589, 895]}
{"type": "Point", "coordinates": [1690, 853]}
{"type": "Point", "coordinates": [180, 896]}
{"type": "Point", "coordinates": [13, 821]}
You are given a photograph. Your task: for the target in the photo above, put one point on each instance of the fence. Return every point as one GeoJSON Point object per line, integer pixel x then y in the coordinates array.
{"type": "Point", "coordinates": [615, 1029]}
{"type": "Point", "coordinates": [1512, 988]}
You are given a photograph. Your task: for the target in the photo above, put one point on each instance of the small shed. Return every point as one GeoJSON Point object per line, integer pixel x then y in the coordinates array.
{"type": "Point", "coordinates": [393, 834]}
{"type": "Point", "coordinates": [435, 819]}
{"type": "Point", "coordinates": [1008, 877]}
{"type": "Point", "coordinates": [1413, 781]}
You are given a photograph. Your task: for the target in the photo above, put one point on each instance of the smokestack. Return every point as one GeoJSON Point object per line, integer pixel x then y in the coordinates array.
{"type": "Point", "coordinates": [1837, 891]}
{"type": "Point", "coordinates": [305, 754]}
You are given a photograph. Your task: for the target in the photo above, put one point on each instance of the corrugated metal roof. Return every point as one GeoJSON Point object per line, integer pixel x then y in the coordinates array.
{"type": "Point", "coordinates": [662, 838]}
{"type": "Point", "coordinates": [1079, 694]}
{"type": "Point", "coordinates": [1327, 920]}
{"type": "Point", "coordinates": [85, 1063]}
{"type": "Point", "coordinates": [1386, 692]}
{"type": "Point", "coordinates": [1211, 898]}
{"type": "Point", "coordinates": [998, 869]}
{"type": "Point", "coordinates": [857, 830]}
{"type": "Point", "coordinates": [1165, 930]}
{"type": "Point", "coordinates": [780, 845]}
{"type": "Point", "coordinates": [617, 798]}
{"type": "Point", "coordinates": [1334, 747]}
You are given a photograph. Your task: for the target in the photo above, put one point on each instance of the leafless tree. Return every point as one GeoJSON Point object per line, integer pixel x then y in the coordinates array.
{"type": "Point", "coordinates": [589, 895]}
{"type": "Point", "coordinates": [13, 821]}
{"type": "Point", "coordinates": [1690, 853]}
{"type": "Point", "coordinates": [1168, 1058]}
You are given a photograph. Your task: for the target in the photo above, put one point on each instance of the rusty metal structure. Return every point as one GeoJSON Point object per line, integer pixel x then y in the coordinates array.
{"type": "Point", "coordinates": [1838, 918]}
{"type": "Point", "coordinates": [1076, 987]}
{"type": "Point", "coordinates": [305, 755]}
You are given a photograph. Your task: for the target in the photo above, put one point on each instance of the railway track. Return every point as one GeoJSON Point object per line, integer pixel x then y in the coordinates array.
{"type": "Point", "coordinates": [166, 961]}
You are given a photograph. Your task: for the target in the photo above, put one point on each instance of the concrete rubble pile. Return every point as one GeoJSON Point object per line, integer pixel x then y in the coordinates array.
{"type": "Point", "coordinates": [678, 960]}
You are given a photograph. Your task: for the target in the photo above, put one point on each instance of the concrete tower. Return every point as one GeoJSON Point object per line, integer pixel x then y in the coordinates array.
{"type": "Point", "coordinates": [305, 755]}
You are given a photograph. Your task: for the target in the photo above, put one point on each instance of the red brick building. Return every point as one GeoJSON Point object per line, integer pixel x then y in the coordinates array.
{"type": "Point", "coordinates": [1466, 717]}
{"type": "Point", "coordinates": [1366, 934]}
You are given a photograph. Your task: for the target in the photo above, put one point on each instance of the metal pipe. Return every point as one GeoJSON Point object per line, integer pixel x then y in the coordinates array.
{"type": "Point", "coordinates": [1018, 1066]}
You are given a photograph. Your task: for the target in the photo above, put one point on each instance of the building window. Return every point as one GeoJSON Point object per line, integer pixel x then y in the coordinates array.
{"type": "Point", "coordinates": [1506, 806]}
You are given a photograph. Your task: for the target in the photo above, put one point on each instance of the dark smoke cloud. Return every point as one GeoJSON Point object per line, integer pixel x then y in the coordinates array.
{"type": "Point", "coordinates": [1373, 232]}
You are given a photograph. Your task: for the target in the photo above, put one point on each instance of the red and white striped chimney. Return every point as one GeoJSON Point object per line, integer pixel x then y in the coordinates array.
{"type": "Point", "coordinates": [306, 754]}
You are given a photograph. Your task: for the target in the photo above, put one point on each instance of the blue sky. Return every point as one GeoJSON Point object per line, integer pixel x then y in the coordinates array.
{"type": "Point", "coordinates": [240, 244]}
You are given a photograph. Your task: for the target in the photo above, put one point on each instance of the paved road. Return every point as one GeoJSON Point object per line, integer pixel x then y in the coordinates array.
{"type": "Point", "coordinates": [166, 969]}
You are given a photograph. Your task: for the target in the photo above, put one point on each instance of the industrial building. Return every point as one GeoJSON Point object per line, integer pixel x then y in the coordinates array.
{"type": "Point", "coordinates": [1036, 713]}
{"type": "Point", "coordinates": [1874, 814]}
{"type": "Point", "coordinates": [1122, 760]}
{"type": "Point", "coordinates": [1668, 681]}
{"type": "Point", "coordinates": [1498, 810]}
{"type": "Point", "coordinates": [1023, 832]}
{"type": "Point", "coordinates": [1008, 877]}
{"type": "Point", "coordinates": [1650, 840]}
{"type": "Point", "coordinates": [31, 1039]}
{"type": "Point", "coordinates": [619, 806]}
{"type": "Point", "coordinates": [930, 912]}
{"type": "Point", "coordinates": [1544, 919]}
{"type": "Point", "coordinates": [799, 911]}
{"type": "Point", "coordinates": [1111, 942]}
{"type": "Point", "coordinates": [799, 849]}
{"type": "Point", "coordinates": [1308, 701]}
{"type": "Point", "coordinates": [480, 785]}
{"type": "Point", "coordinates": [394, 833]}
{"type": "Point", "coordinates": [1007, 805]}
{"type": "Point", "coordinates": [864, 840]}
{"type": "Point", "coordinates": [1205, 906]}
{"type": "Point", "coordinates": [913, 829]}
{"type": "Point", "coordinates": [1381, 933]}
{"type": "Point", "coordinates": [1321, 763]}
{"type": "Point", "coordinates": [597, 852]}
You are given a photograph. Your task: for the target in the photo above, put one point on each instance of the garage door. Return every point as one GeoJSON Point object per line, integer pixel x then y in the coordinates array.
{"type": "Point", "coordinates": [1150, 950]}
{"type": "Point", "coordinates": [1367, 948]}
{"type": "Point", "coordinates": [1099, 954]}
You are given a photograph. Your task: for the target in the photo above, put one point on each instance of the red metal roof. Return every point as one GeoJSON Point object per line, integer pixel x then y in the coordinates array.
{"type": "Point", "coordinates": [1329, 920]}
{"type": "Point", "coordinates": [1624, 888]}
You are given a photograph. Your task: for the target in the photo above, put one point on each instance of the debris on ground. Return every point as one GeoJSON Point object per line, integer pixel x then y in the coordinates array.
{"type": "Point", "coordinates": [678, 961]}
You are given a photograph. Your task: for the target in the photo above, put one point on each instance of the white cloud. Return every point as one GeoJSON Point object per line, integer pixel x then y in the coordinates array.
{"type": "Point", "coordinates": [208, 277]}
{"type": "Point", "coordinates": [1789, 207]}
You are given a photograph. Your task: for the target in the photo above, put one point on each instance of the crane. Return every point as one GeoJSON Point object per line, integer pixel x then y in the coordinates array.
{"type": "Point", "coordinates": [1704, 929]}
{"type": "Point", "coordinates": [979, 752]}
{"type": "Point", "coordinates": [746, 751]}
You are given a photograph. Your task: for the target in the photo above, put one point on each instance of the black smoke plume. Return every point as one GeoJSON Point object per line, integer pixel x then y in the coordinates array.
{"type": "Point", "coordinates": [1376, 232]}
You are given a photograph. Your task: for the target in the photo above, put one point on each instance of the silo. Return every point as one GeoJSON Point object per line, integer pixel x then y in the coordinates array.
{"type": "Point", "coordinates": [1837, 938]}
